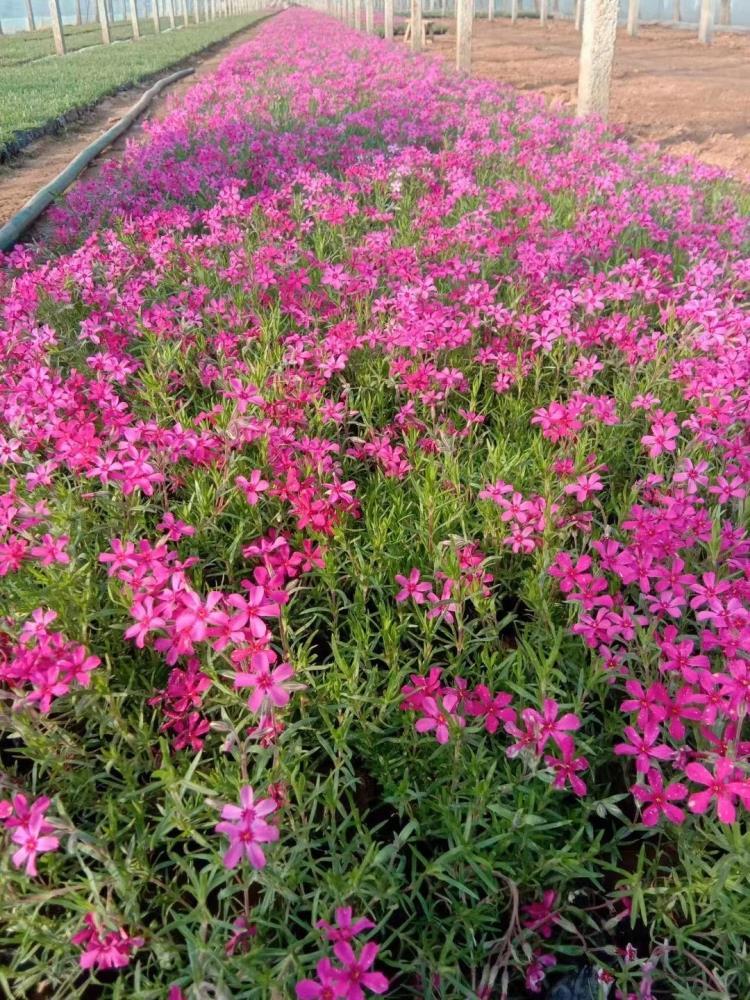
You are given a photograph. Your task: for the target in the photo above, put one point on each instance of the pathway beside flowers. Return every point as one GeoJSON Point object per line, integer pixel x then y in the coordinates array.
{"type": "Point", "coordinates": [374, 458]}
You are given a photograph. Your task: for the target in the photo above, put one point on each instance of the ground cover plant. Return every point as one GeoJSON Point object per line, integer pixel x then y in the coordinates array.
{"type": "Point", "coordinates": [373, 539]}
{"type": "Point", "coordinates": [28, 46]}
{"type": "Point", "coordinates": [33, 97]}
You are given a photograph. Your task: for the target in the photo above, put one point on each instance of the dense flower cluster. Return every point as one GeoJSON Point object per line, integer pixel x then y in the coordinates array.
{"type": "Point", "coordinates": [359, 386]}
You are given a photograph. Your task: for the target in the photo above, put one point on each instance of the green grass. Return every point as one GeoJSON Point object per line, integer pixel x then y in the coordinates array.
{"type": "Point", "coordinates": [57, 86]}
{"type": "Point", "coordinates": [26, 46]}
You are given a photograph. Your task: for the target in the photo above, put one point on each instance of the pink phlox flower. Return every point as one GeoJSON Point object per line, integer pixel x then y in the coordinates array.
{"type": "Point", "coordinates": [345, 928]}
{"type": "Point", "coordinates": [546, 725]}
{"type": "Point", "coordinates": [355, 974]}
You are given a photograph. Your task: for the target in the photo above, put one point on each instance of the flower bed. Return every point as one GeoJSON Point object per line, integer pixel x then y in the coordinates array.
{"type": "Point", "coordinates": [376, 587]}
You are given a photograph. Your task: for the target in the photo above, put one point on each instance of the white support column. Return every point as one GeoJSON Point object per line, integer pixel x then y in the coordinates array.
{"type": "Point", "coordinates": [388, 20]}
{"type": "Point", "coordinates": [170, 13]}
{"type": "Point", "coordinates": [513, 11]}
{"type": "Point", "coordinates": [543, 13]}
{"type": "Point", "coordinates": [134, 20]}
{"type": "Point", "coordinates": [30, 22]}
{"type": "Point", "coordinates": [706, 23]}
{"type": "Point", "coordinates": [490, 10]}
{"type": "Point", "coordinates": [597, 57]}
{"type": "Point", "coordinates": [580, 4]}
{"type": "Point", "coordinates": [79, 17]}
{"type": "Point", "coordinates": [676, 11]}
{"type": "Point", "coordinates": [358, 15]}
{"type": "Point", "coordinates": [101, 6]}
{"type": "Point", "coordinates": [416, 25]}
{"type": "Point", "coordinates": [725, 12]}
{"type": "Point", "coordinates": [369, 17]}
{"type": "Point", "coordinates": [633, 17]}
{"type": "Point", "coordinates": [155, 16]}
{"type": "Point", "coordinates": [464, 25]}
{"type": "Point", "coordinates": [57, 28]}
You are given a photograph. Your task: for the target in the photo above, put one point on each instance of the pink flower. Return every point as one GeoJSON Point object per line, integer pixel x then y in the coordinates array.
{"type": "Point", "coordinates": [344, 929]}
{"type": "Point", "coordinates": [104, 949]}
{"type": "Point", "coordinates": [723, 785]}
{"type": "Point", "coordinates": [644, 747]}
{"type": "Point", "coordinates": [147, 620]}
{"type": "Point", "coordinates": [268, 684]}
{"type": "Point", "coordinates": [355, 975]}
{"type": "Point", "coordinates": [546, 725]}
{"type": "Point", "coordinates": [252, 487]}
{"type": "Point", "coordinates": [247, 829]}
{"type": "Point", "coordinates": [32, 840]}
{"type": "Point", "coordinates": [411, 586]}
{"type": "Point", "coordinates": [536, 971]}
{"type": "Point", "coordinates": [328, 985]}
{"type": "Point", "coordinates": [51, 550]}
{"type": "Point", "coordinates": [568, 767]}
{"type": "Point", "coordinates": [541, 916]}
{"type": "Point", "coordinates": [656, 799]}
{"type": "Point", "coordinates": [439, 717]}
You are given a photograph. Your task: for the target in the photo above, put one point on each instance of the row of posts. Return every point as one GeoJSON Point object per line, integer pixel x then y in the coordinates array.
{"type": "Point", "coordinates": [175, 10]}
{"type": "Point", "coordinates": [705, 18]}
{"type": "Point", "coordinates": [596, 19]}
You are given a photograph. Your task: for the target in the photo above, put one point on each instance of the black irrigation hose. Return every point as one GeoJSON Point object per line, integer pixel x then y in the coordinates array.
{"type": "Point", "coordinates": [15, 227]}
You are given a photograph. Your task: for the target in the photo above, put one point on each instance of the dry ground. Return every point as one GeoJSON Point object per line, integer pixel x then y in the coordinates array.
{"type": "Point", "coordinates": [667, 87]}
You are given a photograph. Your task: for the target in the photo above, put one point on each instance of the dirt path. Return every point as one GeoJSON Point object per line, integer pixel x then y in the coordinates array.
{"type": "Point", "coordinates": [43, 159]}
{"type": "Point", "coordinates": [667, 87]}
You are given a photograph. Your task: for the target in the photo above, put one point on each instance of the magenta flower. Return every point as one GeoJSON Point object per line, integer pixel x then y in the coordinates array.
{"type": "Point", "coordinates": [644, 747]}
{"type": "Point", "coordinates": [355, 973]}
{"type": "Point", "coordinates": [439, 717]}
{"type": "Point", "coordinates": [269, 685]}
{"type": "Point", "coordinates": [328, 985]}
{"type": "Point", "coordinates": [541, 916]}
{"type": "Point", "coordinates": [546, 725]}
{"type": "Point", "coordinates": [104, 949]}
{"type": "Point", "coordinates": [32, 840]}
{"type": "Point", "coordinates": [344, 929]}
{"type": "Point", "coordinates": [247, 829]}
{"type": "Point", "coordinates": [656, 799]}
{"type": "Point", "coordinates": [567, 768]}
{"type": "Point", "coordinates": [723, 785]}
{"type": "Point", "coordinates": [412, 586]}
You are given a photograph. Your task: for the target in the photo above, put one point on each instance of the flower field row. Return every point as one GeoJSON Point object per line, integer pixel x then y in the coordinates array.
{"type": "Point", "coordinates": [374, 458]}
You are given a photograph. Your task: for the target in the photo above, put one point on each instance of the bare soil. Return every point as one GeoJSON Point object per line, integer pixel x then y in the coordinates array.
{"type": "Point", "coordinates": [667, 87]}
{"type": "Point", "coordinates": [39, 162]}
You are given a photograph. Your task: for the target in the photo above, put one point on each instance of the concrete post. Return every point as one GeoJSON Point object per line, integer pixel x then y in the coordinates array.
{"type": "Point", "coordinates": [369, 17]}
{"type": "Point", "coordinates": [725, 12]}
{"type": "Point", "coordinates": [101, 6]}
{"type": "Point", "coordinates": [543, 13]}
{"type": "Point", "coordinates": [513, 11]}
{"type": "Point", "coordinates": [388, 20]}
{"type": "Point", "coordinates": [464, 25]}
{"type": "Point", "coordinates": [416, 25]}
{"type": "Point", "coordinates": [30, 22]}
{"type": "Point", "coordinates": [134, 20]}
{"type": "Point", "coordinates": [57, 28]}
{"type": "Point", "coordinates": [79, 18]}
{"type": "Point", "coordinates": [597, 57]}
{"type": "Point", "coordinates": [358, 14]}
{"type": "Point", "coordinates": [580, 4]}
{"type": "Point", "coordinates": [633, 15]}
{"type": "Point", "coordinates": [706, 23]}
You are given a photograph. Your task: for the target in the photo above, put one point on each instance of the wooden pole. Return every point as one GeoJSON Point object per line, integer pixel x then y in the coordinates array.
{"type": "Point", "coordinates": [134, 19]}
{"type": "Point", "coordinates": [369, 17]}
{"type": "Point", "coordinates": [57, 28]}
{"type": "Point", "coordinates": [597, 57]}
{"type": "Point", "coordinates": [101, 6]}
{"type": "Point", "coordinates": [633, 14]}
{"type": "Point", "coordinates": [416, 25]}
{"type": "Point", "coordinates": [464, 25]}
{"type": "Point", "coordinates": [388, 20]}
{"type": "Point", "coordinates": [706, 23]}
{"type": "Point", "coordinates": [30, 22]}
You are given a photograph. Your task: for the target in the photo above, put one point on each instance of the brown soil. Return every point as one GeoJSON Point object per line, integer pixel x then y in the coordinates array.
{"type": "Point", "coordinates": [667, 87]}
{"type": "Point", "coordinates": [41, 161]}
